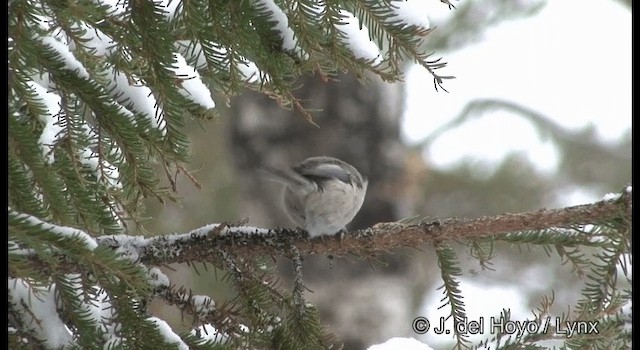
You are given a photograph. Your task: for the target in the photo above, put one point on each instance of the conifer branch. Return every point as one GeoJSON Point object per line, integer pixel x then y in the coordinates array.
{"type": "Point", "coordinates": [386, 236]}
{"type": "Point", "coordinates": [201, 244]}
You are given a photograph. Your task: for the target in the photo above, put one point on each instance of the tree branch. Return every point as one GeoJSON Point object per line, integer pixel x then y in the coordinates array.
{"type": "Point", "coordinates": [200, 244]}
{"type": "Point", "coordinates": [204, 244]}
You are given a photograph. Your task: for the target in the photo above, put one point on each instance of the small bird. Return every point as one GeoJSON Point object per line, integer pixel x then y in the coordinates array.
{"type": "Point", "coordinates": [322, 194]}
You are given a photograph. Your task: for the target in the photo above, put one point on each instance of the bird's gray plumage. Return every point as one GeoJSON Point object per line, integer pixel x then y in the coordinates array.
{"type": "Point", "coordinates": [322, 194]}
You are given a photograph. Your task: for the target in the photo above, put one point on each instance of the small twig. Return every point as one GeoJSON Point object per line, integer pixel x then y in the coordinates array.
{"type": "Point", "coordinates": [181, 169]}
{"type": "Point", "coordinates": [298, 282]}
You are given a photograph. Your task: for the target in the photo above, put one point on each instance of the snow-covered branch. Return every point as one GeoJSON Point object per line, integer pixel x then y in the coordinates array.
{"type": "Point", "coordinates": [242, 240]}
{"type": "Point", "coordinates": [201, 244]}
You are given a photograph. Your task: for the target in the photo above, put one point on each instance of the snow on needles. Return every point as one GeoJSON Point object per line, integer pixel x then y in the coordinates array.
{"type": "Point", "coordinates": [39, 310]}
{"type": "Point", "coordinates": [203, 304]}
{"type": "Point", "coordinates": [95, 303]}
{"type": "Point", "coordinates": [133, 94]}
{"type": "Point", "coordinates": [194, 53]}
{"type": "Point", "coordinates": [611, 196]}
{"type": "Point", "coordinates": [69, 60]}
{"type": "Point", "coordinates": [157, 278]}
{"type": "Point", "coordinates": [615, 196]}
{"type": "Point", "coordinates": [192, 86]}
{"type": "Point", "coordinates": [62, 231]}
{"type": "Point", "coordinates": [101, 168]}
{"type": "Point", "coordinates": [412, 12]}
{"type": "Point", "coordinates": [357, 39]}
{"type": "Point", "coordinates": [289, 41]}
{"type": "Point", "coordinates": [171, 8]}
{"type": "Point", "coordinates": [169, 336]}
{"type": "Point", "coordinates": [209, 332]}
{"type": "Point", "coordinates": [38, 305]}
{"type": "Point", "coordinates": [401, 343]}
{"type": "Point", "coordinates": [117, 8]}
{"type": "Point", "coordinates": [96, 41]}
{"type": "Point", "coordinates": [52, 131]}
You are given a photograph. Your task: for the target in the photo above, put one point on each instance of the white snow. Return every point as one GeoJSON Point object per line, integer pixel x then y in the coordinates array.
{"type": "Point", "coordinates": [95, 303]}
{"type": "Point", "coordinates": [123, 240]}
{"type": "Point", "coordinates": [209, 332]}
{"type": "Point", "coordinates": [92, 136]}
{"type": "Point", "coordinates": [135, 96]}
{"type": "Point", "coordinates": [39, 313]}
{"type": "Point", "coordinates": [252, 230]}
{"type": "Point", "coordinates": [62, 231]}
{"type": "Point", "coordinates": [43, 79]}
{"type": "Point", "coordinates": [627, 314]}
{"type": "Point", "coordinates": [51, 101]}
{"type": "Point", "coordinates": [251, 72]}
{"type": "Point", "coordinates": [192, 86]}
{"type": "Point", "coordinates": [128, 246]}
{"type": "Point", "coordinates": [129, 252]}
{"type": "Point", "coordinates": [401, 344]}
{"type": "Point", "coordinates": [170, 8]}
{"type": "Point", "coordinates": [100, 43]}
{"type": "Point", "coordinates": [15, 249]}
{"type": "Point", "coordinates": [158, 278]}
{"type": "Point", "coordinates": [289, 41]}
{"type": "Point", "coordinates": [168, 334]}
{"type": "Point", "coordinates": [106, 169]}
{"type": "Point", "coordinates": [412, 12]}
{"type": "Point", "coordinates": [131, 246]}
{"type": "Point", "coordinates": [357, 40]}
{"type": "Point", "coordinates": [102, 311]}
{"type": "Point", "coordinates": [611, 196]}
{"type": "Point", "coordinates": [117, 7]}
{"type": "Point", "coordinates": [70, 61]}
{"type": "Point", "coordinates": [113, 342]}
{"type": "Point", "coordinates": [52, 131]}
{"type": "Point", "coordinates": [204, 230]}
{"type": "Point", "coordinates": [575, 195]}
{"type": "Point", "coordinates": [624, 267]}
{"type": "Point", "coordinates": [192, 52]}
{"type": "Point", "coordinates": [203, 303]}
{"type": "Point", "coordinates": [43, 22]}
